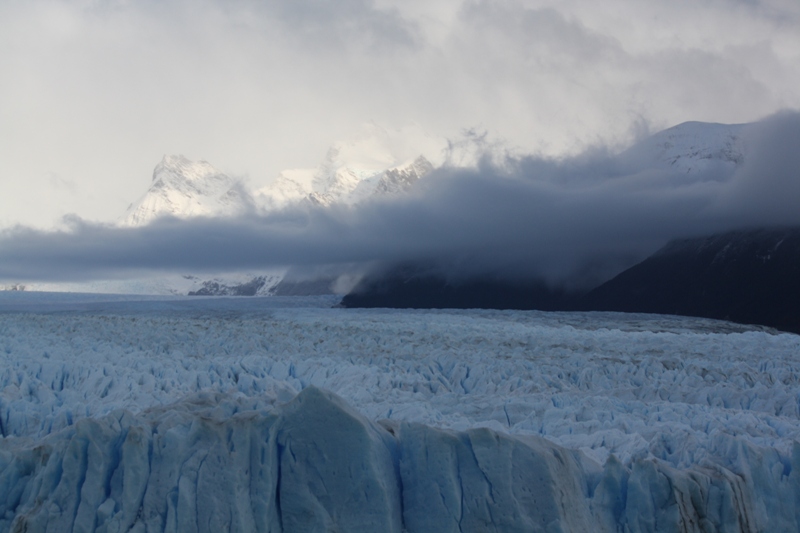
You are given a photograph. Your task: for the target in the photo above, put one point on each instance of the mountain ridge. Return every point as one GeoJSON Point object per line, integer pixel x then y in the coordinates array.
{"type": "Point", "coordinates": [746, 276]}
{"type": "Point", "coordinates": [690, 148]}
{"type": "Point", "coordinates": [185, 188]}
{"type": "Point", "coordinates": [356, 171]}
{"type": "Point", "coordinates": [749, 276]}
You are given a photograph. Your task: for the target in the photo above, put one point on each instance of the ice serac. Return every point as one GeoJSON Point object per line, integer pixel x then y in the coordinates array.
{"type": "Point", "coordinates": [204, 464]}
{"type": "Point", "coordinates": [218, 463]}
{"type": "Point", "coordinates": [336, 468]}
{"type": "Point", "coordinates": [481, 480]}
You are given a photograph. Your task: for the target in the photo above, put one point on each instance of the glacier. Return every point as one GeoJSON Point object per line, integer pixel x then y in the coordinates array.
{"type": "Point", "coordinates": [284, 414]}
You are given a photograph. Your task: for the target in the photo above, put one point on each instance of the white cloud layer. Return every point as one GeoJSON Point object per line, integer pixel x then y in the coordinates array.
{"type": "Point", "coordinates": [94, 92]}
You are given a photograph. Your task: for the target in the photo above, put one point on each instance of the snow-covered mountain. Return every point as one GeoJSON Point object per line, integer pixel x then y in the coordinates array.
{"type": "Point", "coordinates": [689, 148]}
{"type": "Point", "coordinates": [184, 188]}
{"type": "Point", "coordinates": [370, 166]}
{"type": "Point", "coordinates": [351, 186]}
{"type": "Point", "coordinates": [351, 173]}
{"type": "Point", "coordinates": [357, 170]}
{"type": "Point", "coordinates": [687, 153]}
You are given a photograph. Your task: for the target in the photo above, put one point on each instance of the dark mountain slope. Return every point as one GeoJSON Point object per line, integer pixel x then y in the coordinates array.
{"type": "Point", "coordinates": [406, 287]}
{"type": "Point", "coordinates": [748, 276]}
{"type": "Point", "coordinates": [744, 276]}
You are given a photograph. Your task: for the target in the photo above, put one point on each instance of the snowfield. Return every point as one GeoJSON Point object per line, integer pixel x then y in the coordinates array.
{"type": "Point", "coordinates": [183, 414]}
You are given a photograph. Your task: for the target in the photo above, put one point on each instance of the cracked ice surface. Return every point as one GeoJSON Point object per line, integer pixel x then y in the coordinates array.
{"type": "Point", "coordinates": [123, 413]}
{"type": "Point", "coordinates": [632, 385]}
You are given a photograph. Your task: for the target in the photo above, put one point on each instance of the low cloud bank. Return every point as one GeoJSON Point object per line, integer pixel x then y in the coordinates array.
{"type": "Point", "coordinates": [572, 222]}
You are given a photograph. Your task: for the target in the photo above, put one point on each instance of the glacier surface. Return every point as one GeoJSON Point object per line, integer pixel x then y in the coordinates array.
{"type": "Point", "coordinates": [282, 414]}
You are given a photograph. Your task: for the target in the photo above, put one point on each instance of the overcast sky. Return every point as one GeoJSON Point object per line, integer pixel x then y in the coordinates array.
{"type": "Point", "coordinates": [93, 92]}
{"type": "Point", "coordinates": [574, 221]}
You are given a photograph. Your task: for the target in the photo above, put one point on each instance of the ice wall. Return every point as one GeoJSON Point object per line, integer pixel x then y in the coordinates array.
{"type": "Point", "coordinates": [215, 462]}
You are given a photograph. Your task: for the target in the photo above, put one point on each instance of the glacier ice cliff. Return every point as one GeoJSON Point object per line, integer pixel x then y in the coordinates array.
{"type": "Point", "coordinates": [220, 462]}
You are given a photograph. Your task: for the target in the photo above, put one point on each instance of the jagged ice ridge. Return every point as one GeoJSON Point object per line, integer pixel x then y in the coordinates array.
{"type": "Point", "coordinates": [168, 415]}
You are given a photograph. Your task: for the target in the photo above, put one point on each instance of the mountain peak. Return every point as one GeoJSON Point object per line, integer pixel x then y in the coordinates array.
{"type": "Point", "coordinates": [180, 167]}
{"type": "Point", "coordinates": [689, 148]}
{"type": "Point", "coordinates": [376, 163]}
{"type": "Point", "coordinates": [184, 188]}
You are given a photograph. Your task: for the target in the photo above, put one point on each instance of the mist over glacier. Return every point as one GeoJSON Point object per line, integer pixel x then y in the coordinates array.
{"type": "Point", "coordinates": [574, 221]}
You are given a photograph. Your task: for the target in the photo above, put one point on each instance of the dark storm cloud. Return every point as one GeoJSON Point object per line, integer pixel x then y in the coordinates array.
{"type": "Point", "coordinates": [573, 221]}
{"type": "Point", "coordinates": [767, 187]}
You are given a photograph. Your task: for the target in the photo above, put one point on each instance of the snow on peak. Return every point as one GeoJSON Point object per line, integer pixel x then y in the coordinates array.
{"type": "Point", "coordinates": [349, 185]}
{"type": "Point", "coordinates": [353, 171]}
{"type": "Point", "coordinates": [180, 168]}
{"type": "Point", "coordinates": [400, 179]}
{"type": "Point", "coordinates": [184, 188]}
{"type": "Point", "coordinates": [690, 148]}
